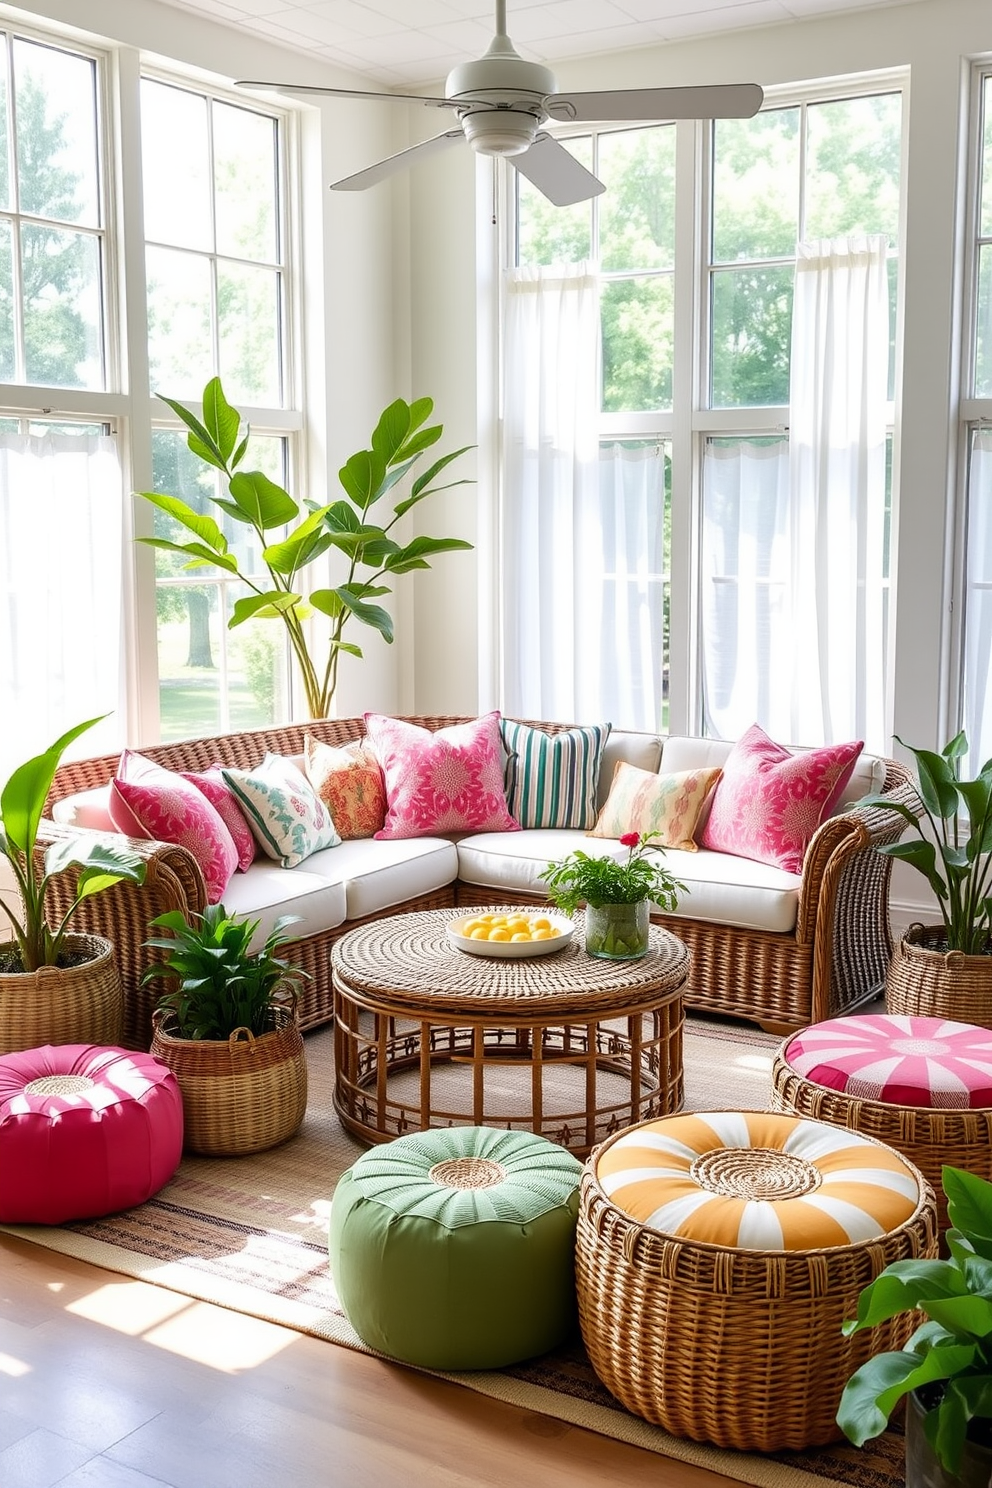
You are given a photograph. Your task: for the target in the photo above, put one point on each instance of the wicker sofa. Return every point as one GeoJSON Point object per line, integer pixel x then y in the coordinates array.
{"type": "Point", "coordinates": [823, 950]}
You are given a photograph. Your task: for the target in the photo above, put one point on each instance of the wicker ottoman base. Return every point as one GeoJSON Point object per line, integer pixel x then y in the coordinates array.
{"type": "Point", "coordinates": [737, 1346]}
{"type": "Point", "coordinates": [911, 1055]}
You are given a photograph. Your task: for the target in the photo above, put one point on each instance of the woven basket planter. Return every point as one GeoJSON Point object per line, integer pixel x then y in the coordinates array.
{"type": "Point", "coordinates": [81, 1004]}
{"type": "Point", "coordinates": [938, 984]}
{"type": "Point", "coordinates": [739, 1347]}
{"type": "Point", "coordinates": [240, 1095]}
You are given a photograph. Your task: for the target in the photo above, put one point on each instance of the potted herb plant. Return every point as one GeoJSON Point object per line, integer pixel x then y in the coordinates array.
{"type": "Point", "coordinates": [945, 970]}
{"type": "Point", "coordinates": [56, 986]}
{"type": "Point", "coordinates": [367, 543]}
{"type": "Point", "coordinates": [617, 894]}
{"type": "Point", "coordinates": [945, 1370]}
{"type": "Point", "coordinates": [227, 1029]}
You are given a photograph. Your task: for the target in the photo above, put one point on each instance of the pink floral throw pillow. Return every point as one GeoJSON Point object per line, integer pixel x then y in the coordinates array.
{"type": "Point", "coordinates": [147, 800]}
{"type": "Point", "coordinates": [211, 783]}
{"type": "Point", "coordinates": [450, 780]}
{"type": "Point", "coordinates": [769, 802]}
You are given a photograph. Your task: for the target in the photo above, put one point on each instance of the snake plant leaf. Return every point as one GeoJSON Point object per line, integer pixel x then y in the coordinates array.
{"type": "Point", "coordinates": [201, 524]}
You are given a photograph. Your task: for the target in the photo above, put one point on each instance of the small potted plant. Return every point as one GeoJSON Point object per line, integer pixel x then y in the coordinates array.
{"type": "Point", "coordinates": [227, 1029]}
{"type": "Point", "coordinates": [945, 1370]}
{"type": "Point", "coordinates": [946, 970]}
{"type": "Point", "coordinates": [56, 986]}
{"type": "Point", "coordinates": [617, 894]}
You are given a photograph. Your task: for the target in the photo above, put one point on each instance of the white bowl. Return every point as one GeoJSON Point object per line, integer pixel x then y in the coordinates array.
{"type": "Point", "coordinates": [511, 950]}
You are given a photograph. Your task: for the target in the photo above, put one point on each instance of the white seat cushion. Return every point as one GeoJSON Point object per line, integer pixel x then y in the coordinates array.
{"type": "Point", "coordinates": [265, 891]}
{"type": "Point", "coordinates": [515, 860]}
{"type": "Point", "coordinates": [376, 875]}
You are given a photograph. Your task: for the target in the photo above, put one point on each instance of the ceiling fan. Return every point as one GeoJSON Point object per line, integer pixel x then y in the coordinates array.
{"type": "Point", "coordinates": [501, 101]}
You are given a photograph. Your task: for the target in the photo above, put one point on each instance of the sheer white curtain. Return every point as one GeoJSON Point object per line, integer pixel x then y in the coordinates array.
{"type": "Point", "coordinates": [978, 611]}
{"type": "Point", "coordinates": [61, 564]}
{"type": "Point", "coordinates": [582, 529]}
{"type": "Point", "coordinates": [800, 554]}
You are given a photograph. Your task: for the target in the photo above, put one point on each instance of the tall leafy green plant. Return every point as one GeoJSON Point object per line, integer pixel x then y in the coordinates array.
{"type": "Point", "coordinates": [951, 843]}
{"type": "Point", "coordinates": [102, 861]}
{"type": "Point", "coordinates": [367, 542]}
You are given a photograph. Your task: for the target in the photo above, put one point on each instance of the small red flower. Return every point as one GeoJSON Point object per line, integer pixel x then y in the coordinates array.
{"type": "Point", "coordinates": [630, 839]}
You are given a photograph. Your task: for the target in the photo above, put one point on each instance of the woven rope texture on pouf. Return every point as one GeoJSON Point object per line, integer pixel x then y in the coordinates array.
{"type": "Point", "coordinates": [717, 1256]}
{"type": "Point", "coordinates": [453, 1248]}
{"type": "Point", "coordinates": [923, 1085]}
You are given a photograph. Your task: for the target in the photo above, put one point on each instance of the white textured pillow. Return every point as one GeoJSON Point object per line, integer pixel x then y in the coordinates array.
{"type": "Point", "coordinates": [284, 812]}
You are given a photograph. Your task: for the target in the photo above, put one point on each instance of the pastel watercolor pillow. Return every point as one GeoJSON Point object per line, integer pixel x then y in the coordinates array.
{"type": "Point", "coordinates": [644, 801]}
{"type": "Point", "coordinates": [350, 783]}
{"type": "Point", "coordinates": [211, 783]}
{"type": "Point", "coordinates": [286, 816]}
{"type": "Point", "coordinates": [147, 800]}
{"type": "Point", "coordinates": [448, 780]}
{"type": "Point", "coordinates": [769, 801]}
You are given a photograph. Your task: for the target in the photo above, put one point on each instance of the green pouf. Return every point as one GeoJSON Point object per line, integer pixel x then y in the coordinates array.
{"type": "Point", "coordinates": [454, 1249]}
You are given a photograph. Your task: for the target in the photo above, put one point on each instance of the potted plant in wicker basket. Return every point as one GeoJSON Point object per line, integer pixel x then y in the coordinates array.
{"type": "Point", "coordinates": [617, 895]}
{"type": "Point", "coordinates": [56, 986]}
{"type": "Point", "coordinates": [945, 970]}
{"type": "Point", "coordinates": [227, 1029]}
{"type": "Point", "coordinates": [945, 1370]}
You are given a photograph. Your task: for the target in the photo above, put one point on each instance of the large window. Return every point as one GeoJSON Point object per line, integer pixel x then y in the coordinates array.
{"type": "Point", "coordinates": [692, 353]}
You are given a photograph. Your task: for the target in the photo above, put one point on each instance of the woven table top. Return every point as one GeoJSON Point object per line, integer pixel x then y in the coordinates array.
{"type": "Point", "coordinates": [408, 961]}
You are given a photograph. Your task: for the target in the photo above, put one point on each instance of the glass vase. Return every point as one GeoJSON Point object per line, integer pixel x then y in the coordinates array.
{"type": "Point", "coordinates": [618, 931]}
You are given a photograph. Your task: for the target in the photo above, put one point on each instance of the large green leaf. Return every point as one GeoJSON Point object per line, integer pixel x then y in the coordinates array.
{"type": "Point", "coordinates": [100, 856]}
{"type": "Point", "coordinates": [304, 543]}
{"type": "Point", "coordinates": [200, 440]}
{"type": "Point", "coordinates": [962, 1314]}
{"type": "Point", "coordinates": [392, 429]}
{"type": "Point", "coordinates": [373, 615]}
{"type": "Point", "coordinates": [415, 554]}
{"type": "Point", "coordinates": [221, 420]}
{"type": "Point", "coordinates": [922, 854]}
{"type": "Point", "coordinates": [902, 1286]}
{"type": "Point", "coordinates": [23, 797]}
{"type": "Point", "coordinates": [417, 443]}
{"type": "Point", "coordinates": [261, 501]}
{"type": "Point", "coordinates": [969, 1202]}
{"type": "Point", "coordinates": [874, 1390]}
{"type": "Point", "coordinates": [937, 781]}
{"type": "Point", "coordinates": [428, 475]}
{"type": "Point", "coordinates": [404, 506]}
{"type": "Point", "coordinates": [262, 607]}
{"type": "Point", "coordinates": [362, 476]}
{"type": "Point", "coordinates": [341, 517]}
{"type": "Point", "coordinates": [328, 602]}
{"type": "Point", "coordinates": [203, 526]}
{"type": "Point", "coordinates": [198, 555]}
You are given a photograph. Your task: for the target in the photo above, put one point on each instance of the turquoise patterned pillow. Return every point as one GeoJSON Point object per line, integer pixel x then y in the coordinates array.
{"type": "Point", "coordinates": [555, 776]}
{"type": "Point", "coordinates": [284, 812]}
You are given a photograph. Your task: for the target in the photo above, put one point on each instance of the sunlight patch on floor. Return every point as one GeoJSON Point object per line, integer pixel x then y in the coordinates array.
{"type": "Point", "coordinates": [13, 1367]}
{"type": "Point", "coordinates": [128, 1306]}
{"type": "Point", "coordinates": [228, 1341]}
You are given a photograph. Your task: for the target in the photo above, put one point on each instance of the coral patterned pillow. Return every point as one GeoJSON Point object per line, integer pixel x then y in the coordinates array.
{"type": "Point", "coordinates": [644, 801]}
{"type": "Point", "coordinates": [212, 784]}
{"type": "Point", "coordinates": [147, 800]}
{"type": "Point", "coordinates": [450, 780]}
{"type": "Point", "coordinates": [287, 818]}
{"type": "Point", "coordinates": [769, 802]}
{"type": "Point", "coordinates": [350, 784]}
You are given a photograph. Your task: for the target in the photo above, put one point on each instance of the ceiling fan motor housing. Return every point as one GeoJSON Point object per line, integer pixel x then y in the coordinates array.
{"type": "Point", "coordinates": [503, 97]}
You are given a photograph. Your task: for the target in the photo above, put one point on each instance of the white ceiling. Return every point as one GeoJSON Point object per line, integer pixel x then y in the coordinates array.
{"type": "Point", "coordinates": [400, 43]}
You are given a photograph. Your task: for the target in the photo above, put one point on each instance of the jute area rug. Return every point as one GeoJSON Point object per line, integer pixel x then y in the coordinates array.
{"type": "Point", "coordinates": [250, 1233]}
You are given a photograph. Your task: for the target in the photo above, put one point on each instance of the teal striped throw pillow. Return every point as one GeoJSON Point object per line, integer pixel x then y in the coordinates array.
{"type": "Point", "coordinates": [555, 776]}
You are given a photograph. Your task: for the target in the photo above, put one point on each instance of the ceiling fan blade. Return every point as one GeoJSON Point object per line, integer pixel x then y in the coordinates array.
{"type": "Point", "coordinates": [305, 90]}
{"type": "Point", "coordinates": [361, 180]}
{"type": "Point", "coordinates": [557, 173]}
{"type": "Point", "coordinates": [709, 101]}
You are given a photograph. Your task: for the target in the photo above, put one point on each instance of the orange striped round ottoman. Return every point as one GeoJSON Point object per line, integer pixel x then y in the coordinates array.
{"type": "Point", "coordinates": [717, 1256]}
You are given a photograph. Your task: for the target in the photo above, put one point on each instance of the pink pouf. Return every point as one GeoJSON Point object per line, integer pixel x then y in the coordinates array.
{"type": "Point", "coordinates": [84, 1130]}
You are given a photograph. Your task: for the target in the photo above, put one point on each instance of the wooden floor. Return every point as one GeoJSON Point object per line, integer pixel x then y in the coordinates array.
{"type": "Point", "coordinates": [111, 1383]}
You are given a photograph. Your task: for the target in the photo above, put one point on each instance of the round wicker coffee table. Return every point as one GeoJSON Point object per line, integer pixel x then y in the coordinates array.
{"type": "Point", "coordinates": [565, 1045]}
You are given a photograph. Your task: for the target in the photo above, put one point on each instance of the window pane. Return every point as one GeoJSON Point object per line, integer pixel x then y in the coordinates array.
{"type": "Point", "coordinates": [180, 344]}
{"type": "Point", "coordinates": [5, 200]}
{"type": "Point", "coordinates": [248, 312]}
{"type": "Point", "coordinates": [547, 234]}
{"type": "Point", "coordinates": [246, 183]}
{"type": "Point", "coordinates": [752, 328]}
{"type": "Point", "coordinates": [852, 175]}
{"type": "Point", "coordinates": [6, 303]}
{"type": "Point", "coordinates": [977, 721]}
{"type": "Point", "coordinates": [983, 328]}
{"type": "Point", "coordinates": [638, 336]}
{"type": "Point", "coordinates": [175, 166]}
{"type": "Point", "coordinates": [61, 294]}
{"type": "Point", "coordinates": [756, 186]}
{"type": "Point", "coordinates": [637, 211]}
{"type": "Point", "coordinates": [985, 210]}
{"type": "Point", "coordinates": [55, 96]}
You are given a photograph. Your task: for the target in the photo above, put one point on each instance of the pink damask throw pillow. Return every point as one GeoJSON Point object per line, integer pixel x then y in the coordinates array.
{"type": "Point", "coordinates": [450, 780]}
{"type": "Point", "coordinates": [769, 801]}
{"type": "Point", "coordinates": [147, 800]}
{"type": "Point", "coordinates": [211, 783]}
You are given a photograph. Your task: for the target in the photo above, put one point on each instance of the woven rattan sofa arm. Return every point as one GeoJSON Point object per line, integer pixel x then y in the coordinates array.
{"type": "Point", "coordinates": [844, 898]}
{"type": "Point", "coordinates": [122, 913]}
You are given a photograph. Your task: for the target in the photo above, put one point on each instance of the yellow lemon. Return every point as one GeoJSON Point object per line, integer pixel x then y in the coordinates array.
{"type": "Point", "coordinates": [499, 932]}
{"type": "Point", "coordinates": [541, 934]}
{"type": "Point", "coordinates": [541, 922]}
{"type": "Point", "coordinates": [471, 926]}
{"type": "Point", "coordinates": [481, 932]}
{"type": "Point", "coordinates": [519, 935]}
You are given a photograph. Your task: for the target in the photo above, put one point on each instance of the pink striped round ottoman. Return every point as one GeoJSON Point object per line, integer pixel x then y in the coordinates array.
{"type": "Point", "coordinates": [922, 1085]}
{"type": "Point", "coordinates": [84, 1130]}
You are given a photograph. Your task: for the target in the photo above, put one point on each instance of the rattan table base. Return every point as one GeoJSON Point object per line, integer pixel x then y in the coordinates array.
{"type": "Point", "coordinates": [566, 1045]}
